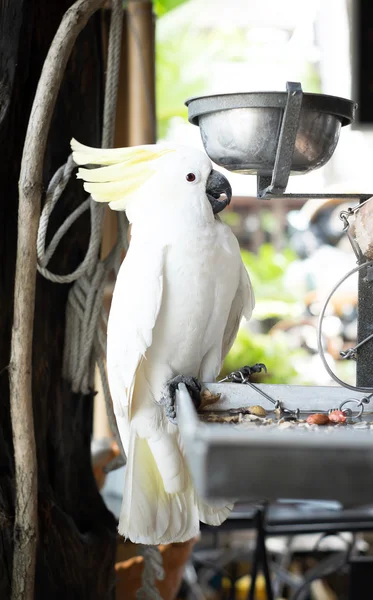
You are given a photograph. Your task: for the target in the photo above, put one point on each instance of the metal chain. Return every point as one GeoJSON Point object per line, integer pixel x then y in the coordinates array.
{"type": "Point", "coordinates": [240, 377]}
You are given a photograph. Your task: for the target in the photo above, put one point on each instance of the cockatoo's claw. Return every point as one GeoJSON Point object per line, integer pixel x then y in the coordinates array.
{"type": "Point", "coordinates": [258, 368]}
{"type": "Point", "coordinates": [171, 413]}
{"type": "Point", "coordinates": [168, 394]}
{"type": "Point", "coordinates": [243, 374]}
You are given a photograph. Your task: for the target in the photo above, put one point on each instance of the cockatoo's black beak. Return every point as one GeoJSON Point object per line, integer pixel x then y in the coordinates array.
{"type": "Point", "coordinates": [216, 185]}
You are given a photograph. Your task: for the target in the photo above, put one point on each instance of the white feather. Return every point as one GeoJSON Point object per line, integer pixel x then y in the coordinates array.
{"type": "Point", "coordinates": [242, 306]}
{"type": "Point", "coordinates": [134, 310]}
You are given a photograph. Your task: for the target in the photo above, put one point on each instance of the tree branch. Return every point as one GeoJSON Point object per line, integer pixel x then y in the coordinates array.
{"type": "Point", "coordinates": [20, 369]}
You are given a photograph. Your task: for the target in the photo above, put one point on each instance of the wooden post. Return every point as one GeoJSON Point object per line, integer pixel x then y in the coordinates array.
{"type": "Point", "coordinates": [141, 74]}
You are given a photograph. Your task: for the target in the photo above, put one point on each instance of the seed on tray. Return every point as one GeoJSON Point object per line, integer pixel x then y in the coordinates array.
{"type": "Point", "coordinates": [337, 416]}
{"type": "Point", "coordinates": [258, 410]}
{"type": "Point", "coordinates": [318, 419]}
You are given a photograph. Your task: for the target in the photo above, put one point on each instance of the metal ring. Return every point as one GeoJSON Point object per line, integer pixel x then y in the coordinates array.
{"type": "Point", "coordinates": [319, 331]}
{"type": "Point", "coordinates": [241, 375]}
{"type": "Point", "coordinates": [236, 377]}
{"type": "Point", "coordinates": [344, 215]}
{"type": "Point", "coordinates": [359, 403]}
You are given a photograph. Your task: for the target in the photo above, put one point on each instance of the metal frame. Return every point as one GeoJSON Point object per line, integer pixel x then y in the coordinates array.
{"type": "Point", "coordinates": [274, 187]}
{"type": "Point", "coordinates": [269, 186]}
{"type": "Point", "coordinates": [262, 464]}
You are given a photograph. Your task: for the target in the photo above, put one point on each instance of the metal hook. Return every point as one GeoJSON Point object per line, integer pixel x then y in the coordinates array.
{"type": "Point", "coordinates": [349, 354]}
{"type": "Point", "coordinates": [344, 215]}
{"type": "Point", "coordinates": [359, 402]}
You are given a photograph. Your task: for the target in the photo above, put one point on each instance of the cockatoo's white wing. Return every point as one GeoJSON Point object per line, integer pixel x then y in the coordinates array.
{"type": "Point", "coordinates": [134, 310]}
{"type": "Point", "coordinates": [242, 306]}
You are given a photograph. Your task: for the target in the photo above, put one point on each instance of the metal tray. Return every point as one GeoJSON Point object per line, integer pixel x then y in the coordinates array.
{"type": "Point", "coordinates": [264, 465]}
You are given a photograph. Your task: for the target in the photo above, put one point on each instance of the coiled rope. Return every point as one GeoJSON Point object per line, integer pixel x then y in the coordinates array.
{"type": "Point", "coordinates": [86, 318]}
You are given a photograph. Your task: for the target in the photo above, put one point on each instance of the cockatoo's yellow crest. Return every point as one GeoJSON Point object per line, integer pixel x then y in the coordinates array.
{"type": "Point", "coordinates": [125, 170]}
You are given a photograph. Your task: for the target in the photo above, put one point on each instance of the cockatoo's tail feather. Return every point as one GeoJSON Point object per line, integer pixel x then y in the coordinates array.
{"type": "Point", "coordinates": [149, 514]}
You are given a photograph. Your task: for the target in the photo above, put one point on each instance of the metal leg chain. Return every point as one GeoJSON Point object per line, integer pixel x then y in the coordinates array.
{"type": "Point", "coordinates": [240, 377]}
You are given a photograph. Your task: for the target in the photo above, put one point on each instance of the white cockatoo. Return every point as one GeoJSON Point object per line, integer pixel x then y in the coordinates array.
{"type": "Point", "coordinates": [178, 301]}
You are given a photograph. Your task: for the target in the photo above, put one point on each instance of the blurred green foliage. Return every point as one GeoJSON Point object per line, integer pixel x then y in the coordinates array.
{"type": "Point", "coordinates": [187, 55]}
{"type": "Point", "coordinates": [173, 88]}
{"type": "Point", "coordinates": [274, 301]}
{"type": "Point", "coordinates": [267, 269]}
{"type": "Point", "coordinates": [182, 62]}
{"type": "Point", "coordinates": [272, 350]}
{"type": "Point", "coordinates": [161, 7]}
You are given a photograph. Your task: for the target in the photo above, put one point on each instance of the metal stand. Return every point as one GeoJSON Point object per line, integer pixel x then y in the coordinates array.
{"type": "Point", "coordinates": [360, 585]}
{"type": "Point", "coordinates": [260, 558]}
{"type": "Point", "coordinates": [294, 465]}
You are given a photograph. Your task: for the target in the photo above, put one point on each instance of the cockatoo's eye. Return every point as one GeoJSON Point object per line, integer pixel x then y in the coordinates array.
{"type": "Point", "coordinates": [191, 177]}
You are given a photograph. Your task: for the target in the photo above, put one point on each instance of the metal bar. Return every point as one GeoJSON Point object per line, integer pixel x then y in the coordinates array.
{"type": "Point", "coordinates": [316, 195]}
{"type": "Point", "coordinates": [263, 553]}
{"type": "Point", "coordinates": [364, 371]}
{"type": "Point", "coordinates": [256, 559]}
{"type": "Point", "coordinates": [303, 522]}
{"type": "Point", "coordinates": [262, 183]}
{"type": "Point", "coordinates": [286, 142]}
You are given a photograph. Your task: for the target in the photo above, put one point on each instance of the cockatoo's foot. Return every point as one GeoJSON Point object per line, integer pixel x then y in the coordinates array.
{"type": "Point", "coordinates": [168, 395]}
{"type": "Point", "coordinates": [242, 375]}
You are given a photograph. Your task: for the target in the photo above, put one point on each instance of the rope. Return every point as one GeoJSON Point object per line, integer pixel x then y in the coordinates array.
{"type": "Point", "coordinates": [112, 77]}
{"type": "Point", "coordinates": [86, 318]}
{"type": "Point", "coordinates": [152, 570]}
{"type": "Point", "coordinates": [85, 315]}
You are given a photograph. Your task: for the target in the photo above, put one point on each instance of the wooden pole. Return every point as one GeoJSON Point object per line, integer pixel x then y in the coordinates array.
{"type": "Point", "coordinates": [20, 368]}
{"type": "Point", "coordinates": [141, 72]}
